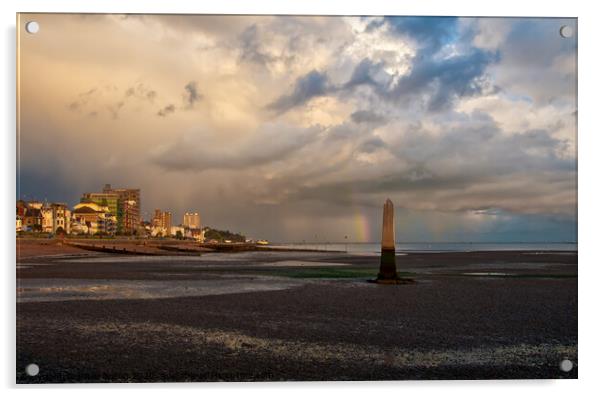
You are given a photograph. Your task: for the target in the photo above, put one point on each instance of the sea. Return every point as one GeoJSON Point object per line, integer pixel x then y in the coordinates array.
{"type": "Point", "coordinates": [374, 248]}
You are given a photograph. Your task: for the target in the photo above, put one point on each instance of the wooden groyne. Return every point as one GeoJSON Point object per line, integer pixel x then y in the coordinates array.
{"type": "Point", "coordinates": [149, 248]}
{"type": "Point", "coordinates": [112, 249]}
{"type": "Point", "coordinates": [185, 249]}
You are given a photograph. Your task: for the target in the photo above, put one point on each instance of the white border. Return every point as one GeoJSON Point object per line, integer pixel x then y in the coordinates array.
{"type": "Point", "coordinates": [589, 185]}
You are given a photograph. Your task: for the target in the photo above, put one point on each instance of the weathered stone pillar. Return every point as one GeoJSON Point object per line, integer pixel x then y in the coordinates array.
{"type": "Point", "coordinates": [388, 269]}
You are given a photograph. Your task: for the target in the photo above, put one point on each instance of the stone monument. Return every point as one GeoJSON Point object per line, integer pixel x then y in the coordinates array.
{"type": "Point", "coordinates": [388, 269]}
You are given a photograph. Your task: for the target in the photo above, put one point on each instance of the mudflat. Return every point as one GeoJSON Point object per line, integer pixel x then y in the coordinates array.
{"type": "Point", "coordinates": [260, 316]}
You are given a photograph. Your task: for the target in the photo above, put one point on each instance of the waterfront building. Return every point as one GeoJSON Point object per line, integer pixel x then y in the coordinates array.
{"type": "Point", "coordinates": [43, 217]}
{"type": "Point", "coordinates": [97, 218]}
{"type": "Point", "coordinates": [47, 218]}
{"type": "Point", "coordinates": [109, 200]}
{"type": "Point", "coordinates": [61, 218]}
{"type": "Point", "coordinates": [192, 220]}
{"type": "Point", "coordinates": [162, 219]}
{"type": "Point", "coordinates": [129, 221]}
{"type": "Point", "coordinates": [56, 218]}
{"type": "Point", "coordinates": [123, 203]}
{"type": "Point", "coordinates": [161, 223]}
{"type": "Point", "coordinates": [31, 216]}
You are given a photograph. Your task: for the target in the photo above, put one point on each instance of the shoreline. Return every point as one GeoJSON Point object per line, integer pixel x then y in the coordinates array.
{"type": "Point", "coordinates": [88, 316]}
{"type": "Point", "coordinates": [33, 247]}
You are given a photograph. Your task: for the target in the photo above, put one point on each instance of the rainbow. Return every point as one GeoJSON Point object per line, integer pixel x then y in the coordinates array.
{"type": "Point", "coordinates": [361, 227]}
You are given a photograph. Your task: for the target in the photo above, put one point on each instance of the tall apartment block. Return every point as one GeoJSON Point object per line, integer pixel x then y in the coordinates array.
{"type": "Point", "coordinates": [123, 203]}
{"type": "Point", "coordinates": [130, 207]}
{"type": "Point", "coordinates": [162, 219]}
{"type": "Point", "coordinates": [192, 220]}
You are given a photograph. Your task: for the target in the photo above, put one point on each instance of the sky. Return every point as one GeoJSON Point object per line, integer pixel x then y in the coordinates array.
{"type": "Point", "coordinates": [298, 128]}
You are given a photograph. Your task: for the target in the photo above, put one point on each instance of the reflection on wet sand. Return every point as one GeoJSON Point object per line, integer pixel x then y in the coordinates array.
{"type": "Point", "coordinates": [46, 290]}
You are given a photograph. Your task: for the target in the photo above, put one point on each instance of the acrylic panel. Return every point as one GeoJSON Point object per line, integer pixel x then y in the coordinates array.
{"type": "Point", "coordinates": [210, 198]}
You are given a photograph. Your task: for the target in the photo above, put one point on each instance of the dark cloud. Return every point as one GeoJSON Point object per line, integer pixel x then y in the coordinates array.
{"type": "Point", "coordinates": [436, 83]}
{"type": "Point", "coordinates": [281, 42]}
{"type": "Point", "coordinates": [192, 94]}
{"type": "Point", "coordinates": [470, 167]}
{"type": "Point", "coordinates": [480, 149]}
{"type": "Point", "coordinates": [311, 85]}
{"type": "Point", "coordinates": [142, 92]}
{"type": "Point", "coordinates": [371, 145]}
{"type": "Point", "coordinates": [446, 80]}
{"type": "Point", "coordinates": [89, 101]}
{"type": "Point", "coordinates": [365, 73]}
{"type": "Point", "coordinates": [367, 116]}
{"type": "Point", "coordinates": [136, 92]}
{"type": "Point", "coordinates": [251, 50]}
{"type": "Point", "coordinates": [511, 175]}
{"type": "Point", "coordinates": [273, 143]}
{"type": "Point", "coordinates": [166, 110]}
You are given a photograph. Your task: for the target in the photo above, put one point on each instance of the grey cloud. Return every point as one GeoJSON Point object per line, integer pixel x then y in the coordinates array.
{"type": "Point", "coordinates": [367, 116]}
{"type": "Point", "coordinates": [284, 40]}
{"type": "Point", "coordinates": [141, 92]}
{"type": "Point", "coordinates": [437, 82]}
{"type": "Point", "coordinates": [166, 110]}
{"type": "Point", "coordinates": [479, 148]}
{"type": "Point", "coordinates": [195, 152]}
{"type": "Point", "coordinates": [434, 80]}
{"type": "Point", "coordinates": [365, 73]}
{"type": "Point", "coordinates": [311, 85]}
{"type": "Point", "coordinates": [251, 47]}
{"type": "Point", "coordinates": [466, 168]}
{"type": "Point", "coordinates": [415, 179]}
{"type": "Point", "coordinates": [192, 94]}
{"type": "Point", "coordinates": [90, 101]}
{"type": "Point", "coordinates": [371, 145]}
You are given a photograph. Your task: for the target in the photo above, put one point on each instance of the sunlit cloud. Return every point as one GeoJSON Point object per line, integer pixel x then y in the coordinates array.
{"type": "Point", "coordinates": [281, 126]}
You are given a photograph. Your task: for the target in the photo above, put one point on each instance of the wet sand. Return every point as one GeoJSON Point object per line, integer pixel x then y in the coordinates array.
{"type": "Point", "coordinates": [257, 316]}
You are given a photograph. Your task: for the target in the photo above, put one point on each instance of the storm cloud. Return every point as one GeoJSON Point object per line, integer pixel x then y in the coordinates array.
{"type": "Point", "coordinates": [193, 152]}
{"type": "Point", "coordinates": [313, 84]}
{"type": "Point", "coordinates": [283, 127]}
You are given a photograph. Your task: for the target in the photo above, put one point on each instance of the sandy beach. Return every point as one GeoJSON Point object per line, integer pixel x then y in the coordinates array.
{"type": "Point", "coordinates": [86, 316]}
